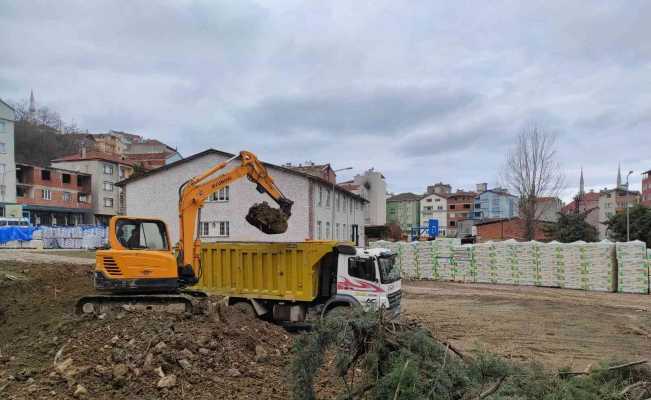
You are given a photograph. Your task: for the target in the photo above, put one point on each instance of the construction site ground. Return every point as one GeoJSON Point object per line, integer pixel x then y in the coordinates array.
{"type": "Point", "coordinates": [232, 356]}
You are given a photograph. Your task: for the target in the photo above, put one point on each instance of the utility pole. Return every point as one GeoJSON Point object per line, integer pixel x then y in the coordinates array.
{"type": "Point", "coordinates": [334, 182]}
{"type": "Point", "coordinates": [628, 223]}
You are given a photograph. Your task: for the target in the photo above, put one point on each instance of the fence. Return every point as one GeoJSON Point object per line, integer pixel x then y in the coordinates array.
{"type": "Point", "coordinates": [603, 266]}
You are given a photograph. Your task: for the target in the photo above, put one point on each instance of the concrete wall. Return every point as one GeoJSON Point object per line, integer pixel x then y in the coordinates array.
{"type": "Point", "coordinates": [7, 160]}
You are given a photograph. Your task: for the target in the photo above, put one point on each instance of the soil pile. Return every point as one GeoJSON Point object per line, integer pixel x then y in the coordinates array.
{"type": "Point", "coordinates": [136, 355]}
{"type": "Point", "coordinates": [267, 219]}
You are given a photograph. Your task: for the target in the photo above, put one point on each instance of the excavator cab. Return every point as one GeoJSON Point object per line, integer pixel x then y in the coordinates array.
{"type": "Point", "coordinates": [140, 256]}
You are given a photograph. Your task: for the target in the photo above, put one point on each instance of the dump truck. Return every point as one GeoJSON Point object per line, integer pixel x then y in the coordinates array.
{"type": "Point", "coordinates": [302, 281]}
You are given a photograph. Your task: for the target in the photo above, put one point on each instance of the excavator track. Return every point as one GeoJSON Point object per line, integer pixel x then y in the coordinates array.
{"type": "Point", "coordinates": [192, 302]}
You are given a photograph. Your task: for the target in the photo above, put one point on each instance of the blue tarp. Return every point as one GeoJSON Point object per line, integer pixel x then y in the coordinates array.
{"type": "Point", "coordinates": [9, 233]}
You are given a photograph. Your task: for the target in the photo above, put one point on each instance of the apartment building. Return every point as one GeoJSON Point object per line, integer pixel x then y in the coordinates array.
{"type": "Point", "coordinates": [435, 206]}
{"type": "Point", "coordinates": [548, 208]}
{"type": "Point", "coordinates": [495, 203]}
{"type": "Point", "coordinates": [7, 160]}
{"type": "Point", "coordinates": [105, 171]}
{"type": "Point", "coordinates": [404, 209]}
{"type": "Point", "coordinates": [155, 194]}
{"type": "Point", "coordinates": [585, 203]}
{"type": "Point", "coordinates": [461, 206]}
{"type": "Point", "coordinates": [612, 201]}
{"type": "Point", "coordinates": [54, 196]}
{"type": "Point", "coordinates": [646, 188]}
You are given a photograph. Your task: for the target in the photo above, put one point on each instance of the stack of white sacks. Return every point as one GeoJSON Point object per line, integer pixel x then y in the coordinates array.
{"type": "Point", "coordinates": [578, 265]}
{"type": "Point", "coordinates": [633, 267]}
{"type": "Point", "coordinates": [73, 237]}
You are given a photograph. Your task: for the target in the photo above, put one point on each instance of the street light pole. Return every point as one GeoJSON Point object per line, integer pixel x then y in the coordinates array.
{"type": "Point", "coordinates": [628, 224]}
{"type": "Point", "coordinates": [332, 222]}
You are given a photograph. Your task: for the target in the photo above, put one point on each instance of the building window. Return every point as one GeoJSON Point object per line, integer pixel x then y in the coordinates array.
{"type": "Point", "coordinates": [46, 194]}
{"type": "Point", "coordinates": [343, 232]}
{"type": "Point", "coordinates": [45, 175]}
{"type": "Point", "coordinates": [65, 178]}
{"type": "Point", "coordinates": [318, 230]}
{"type": "Point", "coordinates": [3, 148]}
{"type": "Point", "coordinates": [440, 208]}
{"type": "Point", "coordinates": [466, 206]}
{"type": "Point", "coordinates": [337, 231]}
{"type": "Point", "coordinates": [338, 201]}
{"type": "Point", "coordinates": [108, 202]}
{"type": "Point", "coordinates": [222, 195]}
{"type": "Point", "coordinates": [3, 168]}
{"type": "Point", "coordinates": [351, 206]}
{"type": "Point", "coordinates": [108, 186]}
{"type": "Point", "coordinates": [344, 205]}
{"type": "Point", "coordinates": [327, 232]}
{"type": "Point", "coordinates": [122, 172]}
{"type": "Point", "coordinates": [108, 169]}
{"type": "Point", "coordinates": [214, 229]}
{"type": "Point", "coordinates": [437, 200]}
{"type": "Point", "coordinates": [66, 196]}
{"type": "Point", "coordinates": [328, 198]}
{"type": "Point", "coordinates": [320, 202]}
{"type": "Point", "coordinates": [452, 207]}
{"type": "Point", "coordinates": [2, 126]}
{"type": "Point", "coordinates": [453, 223]}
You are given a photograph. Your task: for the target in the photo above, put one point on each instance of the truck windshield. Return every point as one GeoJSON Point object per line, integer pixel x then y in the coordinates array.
{"type": "Point", "coordinates": [389, 272]}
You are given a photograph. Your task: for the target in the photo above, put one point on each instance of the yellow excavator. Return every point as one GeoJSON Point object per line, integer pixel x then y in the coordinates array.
{"type": "Point", "coordinates": [141, 270]}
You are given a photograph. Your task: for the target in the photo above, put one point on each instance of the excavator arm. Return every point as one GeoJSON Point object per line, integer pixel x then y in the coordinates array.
{"type": "Point", "coordinates": [194, 192]}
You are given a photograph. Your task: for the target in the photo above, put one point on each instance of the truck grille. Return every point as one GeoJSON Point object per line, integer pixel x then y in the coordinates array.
{"type": "Point", "coordinates": [111, 267]}
{"type": "Point", "coordinates": [394, 298]}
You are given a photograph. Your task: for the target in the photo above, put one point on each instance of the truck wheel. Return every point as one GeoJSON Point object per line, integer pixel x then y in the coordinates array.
{"type": "Point", "coordinates": [245, 308]}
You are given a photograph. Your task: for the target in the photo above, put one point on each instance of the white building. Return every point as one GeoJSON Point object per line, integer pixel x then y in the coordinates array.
{"type": "Point", "coordinates": [371, 186]}
{"type": "Point", "coordinates": [7, 160]}
{"type": "Point", "coordinates": [155, 194]}
{"type": "Point", "coordinates": [435, 206]}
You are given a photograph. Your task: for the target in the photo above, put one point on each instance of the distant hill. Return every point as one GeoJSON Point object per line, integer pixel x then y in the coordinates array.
{"type": "Point", "coordinates": [40, 144]}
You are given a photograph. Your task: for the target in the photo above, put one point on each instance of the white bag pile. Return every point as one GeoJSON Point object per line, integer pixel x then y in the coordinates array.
{"type": "Point", "coordinates": [633, 267]}
{"type": "Point", "coordinates": [72, 237]}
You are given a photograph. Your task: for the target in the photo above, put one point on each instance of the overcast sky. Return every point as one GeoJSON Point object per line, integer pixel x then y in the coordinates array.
{"type": "Point", "coordinates": [422, 91]}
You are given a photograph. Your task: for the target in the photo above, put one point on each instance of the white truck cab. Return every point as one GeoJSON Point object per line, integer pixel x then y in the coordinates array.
{"type": "Point", "coordinates": [369, 278]}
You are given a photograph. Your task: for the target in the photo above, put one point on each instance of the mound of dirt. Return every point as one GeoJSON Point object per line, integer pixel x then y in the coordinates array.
{"type": "Point", "coordinates": [136, 355]}
{"type": "Point", "coordinates": [267, 219]}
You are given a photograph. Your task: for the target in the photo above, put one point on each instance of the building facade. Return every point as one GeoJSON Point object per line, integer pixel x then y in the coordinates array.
{"type": "Point", "coordinates": [155, 194]}
{"type": "Point", "coordinates": [460, 207]}
{"type": "Point", "coordinates": [585, 203]}
{"type": "Point", "coordinates": [646, 188]}
{"type": "Point", "coordinates": [7, 157]}
{"type": "Point", "coordinates": [435, 206]}
{"type": "Point", "coordinates": [105, 171]}
{"type": "Point", "coordinates": [404, 209]}
{"type": "Point", "coordinates": [611, 202]}
{"type": "Point", "coordinates": [52, 196]}
{"type": "Point", "coordinates": [371, 186]}
{"type": "Point", "coordinates": [495, 204]}
{"type": "Point", "coordinates": [547, 208]}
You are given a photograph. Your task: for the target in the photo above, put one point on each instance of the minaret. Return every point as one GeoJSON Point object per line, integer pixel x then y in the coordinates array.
{"type": "Point", "coordinates": [581, 184]}
{"type": "Point", "coordinates": [619, 175]}
{"type": "Point", "coordinates": [32, 103]}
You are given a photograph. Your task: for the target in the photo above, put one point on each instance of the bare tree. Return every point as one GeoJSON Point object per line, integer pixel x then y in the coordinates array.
{"type": "Point", "coordinates": [532, 172]}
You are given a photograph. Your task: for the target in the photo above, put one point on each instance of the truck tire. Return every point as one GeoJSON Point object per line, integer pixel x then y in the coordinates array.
{"type": "Point", "coordinates": [245, 308]}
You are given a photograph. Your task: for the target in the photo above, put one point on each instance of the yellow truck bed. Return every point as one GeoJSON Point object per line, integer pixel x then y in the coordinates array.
{"type": "Point", "coordinates": [278, 271]}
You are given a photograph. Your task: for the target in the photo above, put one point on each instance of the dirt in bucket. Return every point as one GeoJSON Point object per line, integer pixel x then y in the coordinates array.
{"type": "Point", "coordinates": [267, 219]}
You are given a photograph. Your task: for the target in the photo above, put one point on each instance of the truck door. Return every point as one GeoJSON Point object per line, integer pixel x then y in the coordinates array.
{"type": "Point", "coordinates": [358, 278]}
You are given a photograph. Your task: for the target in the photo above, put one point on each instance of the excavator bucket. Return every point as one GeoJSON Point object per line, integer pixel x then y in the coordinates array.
{"type": "Point", "coordinates": [267, 219]}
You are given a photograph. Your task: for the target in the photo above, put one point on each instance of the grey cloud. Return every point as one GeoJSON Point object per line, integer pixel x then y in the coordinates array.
{"type": "Point", "coordinates": [382, 111]}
